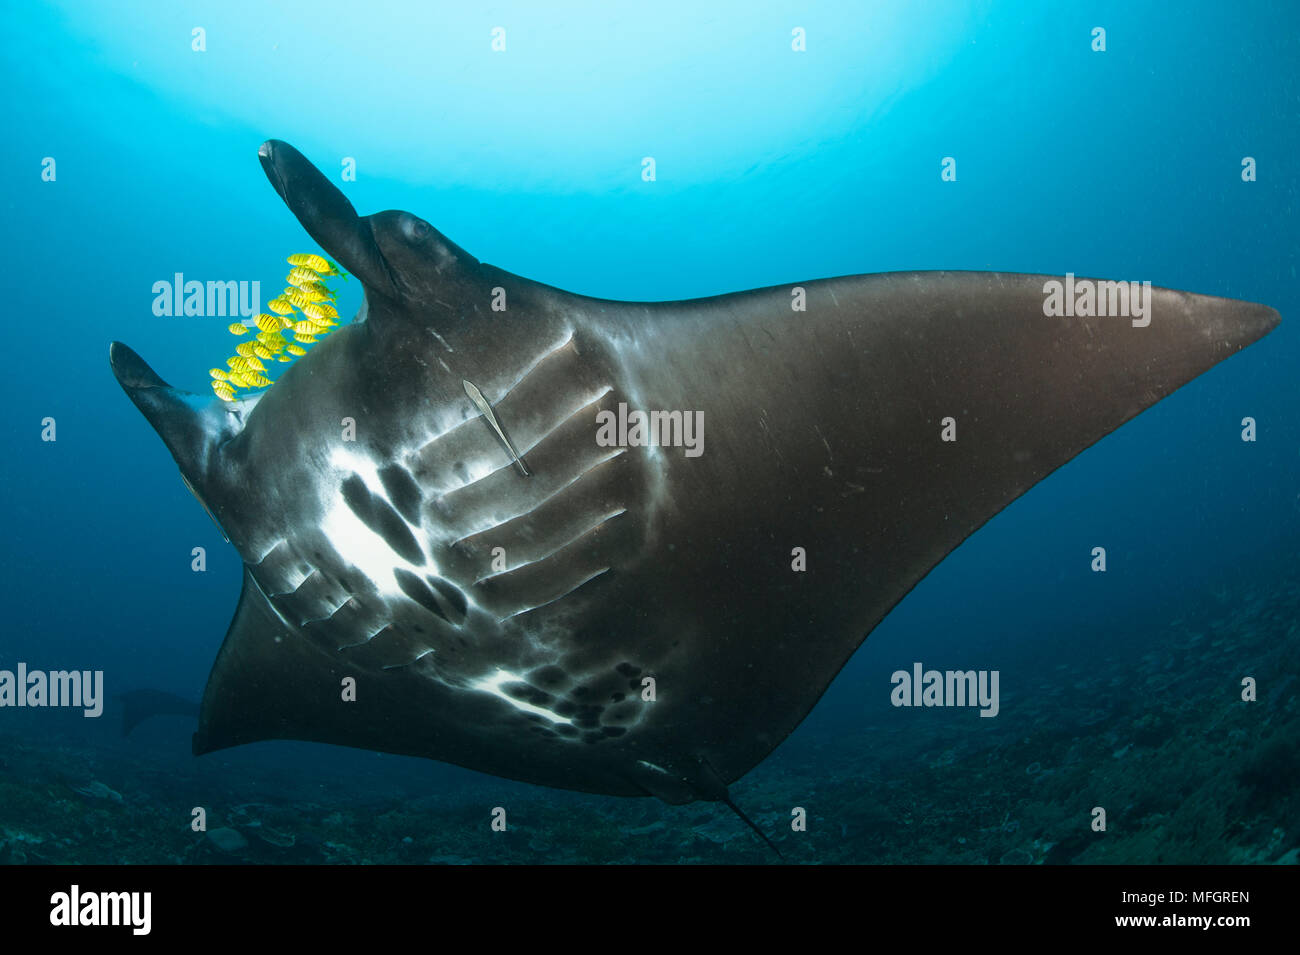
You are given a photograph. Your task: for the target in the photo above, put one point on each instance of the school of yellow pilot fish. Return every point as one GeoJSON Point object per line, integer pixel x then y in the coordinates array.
{"type": "Point", "coordinates": [308, 293]}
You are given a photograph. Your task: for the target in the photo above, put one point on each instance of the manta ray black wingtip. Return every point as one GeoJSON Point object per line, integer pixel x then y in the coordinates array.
{"type": "Point", "coordinates": [1213, 327]}
{"type": "Point", "coordinates": [1253, 319]}
{"type": "Point", "coordinates": [1269, 319]}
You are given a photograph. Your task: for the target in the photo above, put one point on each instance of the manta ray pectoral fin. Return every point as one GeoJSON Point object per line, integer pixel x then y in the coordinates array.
{"type": "Point", "coordinates": [886, 425]}
{"type": "Point", "coordinates": [276, 681]}
{"type": "Point", "coordinates": [267, 684]}
{"type": "Point", "coordinates": [326, 214]}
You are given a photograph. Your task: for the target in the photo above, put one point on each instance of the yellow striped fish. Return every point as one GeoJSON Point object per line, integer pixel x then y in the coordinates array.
{"type": "Point", "coordinates": [318, 288]}
{"type": "Point", "coordinates": [317, 263]}
{"type": "Point", "coordinates": [309, 293]}
{"type": "Point", "coordinates": [302, 275]}
{"type": "Point", "coordinates": [313, 311]}
{"type": "Point", "coordinates": [296, 296]}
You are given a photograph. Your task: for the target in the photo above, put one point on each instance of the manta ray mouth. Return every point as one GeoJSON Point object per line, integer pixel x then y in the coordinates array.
{"type": "Point", "coordinates": [327, 215]}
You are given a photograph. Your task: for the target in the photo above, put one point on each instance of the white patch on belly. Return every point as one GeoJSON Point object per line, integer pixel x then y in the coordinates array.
{"type": "Point", "coordinates": [353, 540]}
{"type": "Point", "coordinates": [363, 548]}
{"type": "Point", "coordinates": [493, 684]}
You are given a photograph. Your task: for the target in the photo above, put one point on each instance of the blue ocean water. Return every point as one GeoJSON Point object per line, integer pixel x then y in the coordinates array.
{"type": "Point", "coordinates": [772, 166]}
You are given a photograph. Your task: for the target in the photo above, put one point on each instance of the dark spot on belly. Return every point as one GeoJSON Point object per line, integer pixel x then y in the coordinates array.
{"type": "Point", "coordinates": [452, 595]}
{"type": "Point", "coordinates": [519, 691]}
{"type": "Point", "coordinates": [566, 729]}
{"type": "Point", "coordinates": [550, 675]}
{"type": "Point", "coordinates": [581, 691]}
{"type": "Point", "coordinates": [622, 714]}
{"type": "Point", "coordinates": [616, 698]}
{"type": "Point", "coordinates": [415, 588]}
{"type": "Point", "coordinates": [379, 516]}
{"type": "Point", "coordinates": [627, 669]}
{"type": "Point", "coordinates": [565, 708]}
{"type": "Point", "coordinates": [402, 491]}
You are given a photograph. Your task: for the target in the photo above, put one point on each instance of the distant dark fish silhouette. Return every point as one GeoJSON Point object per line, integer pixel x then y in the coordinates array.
{"type": "Point", "coordinates": [139, 705]}
{"type": "Point", "coordinates": [622, 619]}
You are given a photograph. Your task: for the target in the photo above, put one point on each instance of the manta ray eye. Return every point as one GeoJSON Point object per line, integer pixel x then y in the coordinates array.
{"type": "Point", "coordinates": [415, 228]}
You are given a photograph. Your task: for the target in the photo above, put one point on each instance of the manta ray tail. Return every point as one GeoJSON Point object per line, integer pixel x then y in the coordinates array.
{"type": "Point", "coordinates": [708, 784]}
{"type": "Point", "coordinates": [750, 822]}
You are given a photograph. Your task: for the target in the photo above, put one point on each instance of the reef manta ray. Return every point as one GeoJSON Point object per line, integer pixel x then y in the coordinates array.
{"type": "Point", "coordinates": [628, 619]}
